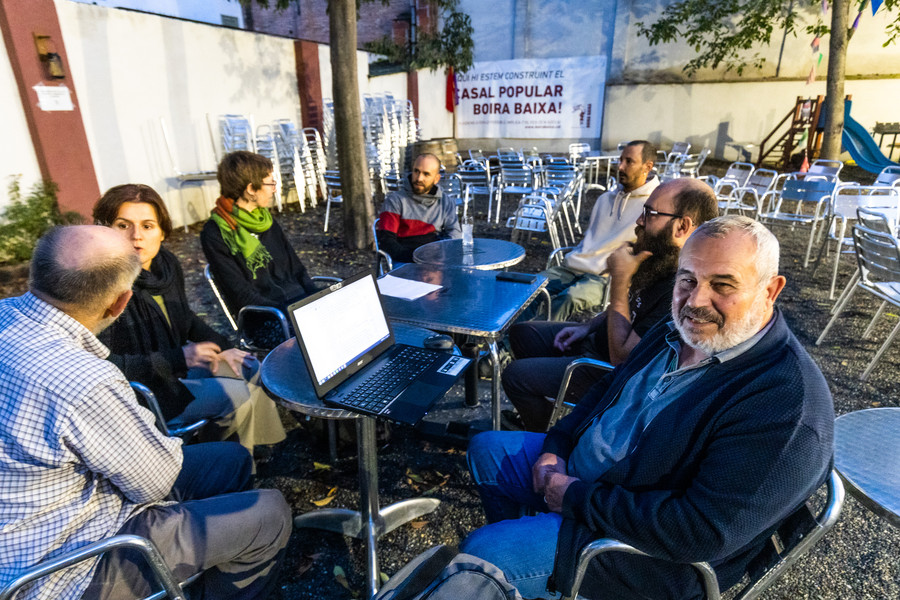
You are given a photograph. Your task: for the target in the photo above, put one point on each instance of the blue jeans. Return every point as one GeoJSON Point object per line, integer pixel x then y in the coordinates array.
{"type": "Point", "coordinates": [523, 547]}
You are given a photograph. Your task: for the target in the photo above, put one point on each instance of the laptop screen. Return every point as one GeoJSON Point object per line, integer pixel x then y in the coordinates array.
{"type": "Point", "coordinates": [338, 327]}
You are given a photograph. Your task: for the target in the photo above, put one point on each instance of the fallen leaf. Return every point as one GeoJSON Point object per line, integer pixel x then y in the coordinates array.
{"type": "Point", "coordinates": [327, 499]}
{"type": "Point", "coordinates": [384, 577]}
{"type": "Point", "coordinates": [321, 466]}
{"type": "Point", "coordinates": [418, 524]}
{"type": "Point", "coordinates": [341, 578]}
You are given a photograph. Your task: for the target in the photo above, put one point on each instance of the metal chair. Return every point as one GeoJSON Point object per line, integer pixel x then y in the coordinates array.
{"type": "Point", "coordinates": [823, 168]}
{"type": "Point", "coordinates": [268, 312]}
{"type": "Point", "coordinates": [889, 176]}
{"type": "Point", "coordinates": [333, 193]}
{"type": "Point", "coordinates": [736, 176]}
{"type": "Point", "coordinates": [184, 177]}
{"type": "Point", "coordinates": [790, 206]}
{"type": "Point", "coordinates": [535, 214]}
{"type": "Point", "coordinates": [792, 539]}
{"type": "Point", "coordinates": [690, 166]}
{"type": "Point", "coordinates": [560, 406]}
{"type": "Point", "coordinates": [164, 576]}
{"type": "Point", "coordinates": [475, 179]}
{"type": "Point", "coordinates": [749, 196]}
{"type": "Point", "coordinates": [876, 221]}
{"type": "Point", "coordinates": [514, 179]}
{"type": "Point", "coordinates": [146, 397]}
{"type": "Point", "coordinates": [843, 205]}
{"type": "Point", "coordinates": [878, 255]}
{"type": "Point", "coordinates": [383, 261]}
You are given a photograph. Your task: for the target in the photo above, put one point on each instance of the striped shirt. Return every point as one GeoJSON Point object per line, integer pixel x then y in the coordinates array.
{"type": "Point", "coordinates": [78, 455]}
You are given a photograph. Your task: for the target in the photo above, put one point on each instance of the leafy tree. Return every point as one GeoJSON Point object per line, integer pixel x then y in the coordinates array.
{"type": "Point", "coordinates": [724, 33]}
{"type": "Point", "coordinates": [27, 218]}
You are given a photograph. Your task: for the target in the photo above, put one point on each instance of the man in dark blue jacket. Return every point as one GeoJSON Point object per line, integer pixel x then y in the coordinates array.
{"type": "Point", "coordinates": [716, 428]}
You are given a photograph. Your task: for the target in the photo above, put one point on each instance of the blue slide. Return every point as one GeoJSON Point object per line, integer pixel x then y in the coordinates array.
{"type": "Point", "coordinates": [862, 146]}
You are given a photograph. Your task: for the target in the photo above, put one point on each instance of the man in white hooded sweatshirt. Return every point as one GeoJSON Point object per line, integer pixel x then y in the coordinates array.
{"type": "Point", "coordinates": [579, 284]}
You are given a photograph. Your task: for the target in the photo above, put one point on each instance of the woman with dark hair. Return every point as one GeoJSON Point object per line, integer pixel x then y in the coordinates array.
{"type": "Point", "coordinates": [160, 342]}
{"type": "Point", "coordinates": [248, 253]}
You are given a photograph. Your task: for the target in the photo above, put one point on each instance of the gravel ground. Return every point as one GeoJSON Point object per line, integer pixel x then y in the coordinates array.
{"type": "Point", "coordinates": [858, 559]}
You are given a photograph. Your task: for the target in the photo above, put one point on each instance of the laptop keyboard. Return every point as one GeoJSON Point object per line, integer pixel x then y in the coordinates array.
{"type": "Point", "coordinates": [392, 377]}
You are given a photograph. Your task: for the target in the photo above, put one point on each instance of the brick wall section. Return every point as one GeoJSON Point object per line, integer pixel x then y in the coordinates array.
{"type": "Point", "coordinates": [308, 20]}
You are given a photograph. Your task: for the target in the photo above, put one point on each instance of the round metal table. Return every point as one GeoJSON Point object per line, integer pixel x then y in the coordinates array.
{"type": "Point", "coordinates": [867, 455]}
{"type": "Point", "coordinates": [487, 254]}
{"type": "Point", "coordinates": [285, 376]}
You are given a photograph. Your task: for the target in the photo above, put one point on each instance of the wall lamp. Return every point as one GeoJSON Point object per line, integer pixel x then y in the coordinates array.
{"type": "Point", "coordinates": [46, 50]}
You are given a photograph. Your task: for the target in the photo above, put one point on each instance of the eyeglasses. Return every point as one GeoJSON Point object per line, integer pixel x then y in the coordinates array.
{"type": "Point", "coordinates": [272, 184]}
{"type": "Point", "coordinates": [649, 212]}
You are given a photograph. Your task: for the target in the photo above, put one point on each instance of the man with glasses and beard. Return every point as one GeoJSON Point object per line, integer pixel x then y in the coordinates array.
{"type": "Point", "coordinates": [713, 431]}
{"type": "Point", "coordinates": [641, 279]}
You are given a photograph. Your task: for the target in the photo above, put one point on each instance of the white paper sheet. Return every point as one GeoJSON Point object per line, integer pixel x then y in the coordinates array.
{"type": "Point", "coordinates": [405, 288]}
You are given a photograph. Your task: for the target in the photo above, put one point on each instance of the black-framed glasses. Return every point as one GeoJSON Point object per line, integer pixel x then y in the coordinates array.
{"type": "Point", "coordinates": [649, 212]}
{"type": "Point", "coordinates": [273, 184]}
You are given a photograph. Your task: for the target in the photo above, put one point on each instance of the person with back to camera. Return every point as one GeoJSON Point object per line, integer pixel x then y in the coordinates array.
{"type": "Point", "coordinates": [81, 460]}
{"type": "Point", "coordinates": [250, 258]}
{"type": "Point", "coordinates": [159, 340]}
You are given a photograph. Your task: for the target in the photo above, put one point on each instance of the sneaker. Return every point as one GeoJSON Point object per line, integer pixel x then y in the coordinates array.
{"type": "Point", "coordinates": [511, 421]}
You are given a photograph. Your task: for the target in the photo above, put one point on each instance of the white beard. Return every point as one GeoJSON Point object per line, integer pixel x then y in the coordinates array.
{"type": "Point", "coordinates": [730, 334]}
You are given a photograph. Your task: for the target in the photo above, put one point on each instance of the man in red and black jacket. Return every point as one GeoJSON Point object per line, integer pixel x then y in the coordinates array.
{"type": "Point", "coordinates": [417, 213]}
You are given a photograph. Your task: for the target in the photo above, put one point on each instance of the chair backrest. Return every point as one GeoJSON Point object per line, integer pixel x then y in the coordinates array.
{"type": "Point", "coordinates": [516, 174]}
{"type": "Point", "coordinates": [680, 148]}
{"type": "Point", "coordinates": [473, 174]}
{"type": "Point", "coordinates": [885, 200]}
{"type": "Point", "coordinates": [146, 397]}
{"type": "Point", "coordinates": [874, 220]}
{"type": "Point", "coordinates": [452, 186]}
{"type": "Point", "coordinates": [878, 255]}
{"type": "Point", "coordinates": [212, 284]}
{"type": "Point", "coordinates": [761, 180]}
{"type": "Point", "coordinates": [888, 176]}
{"type": "Point", "coordinates": [823, 167]}
{"type": "Point", "coordinates": [806, 189]}
{"type": "Point", "coordinates": [333, 183]}
{"type": "Point", "coordinates": [144, 547]}
{"type": "Point", "coordinates": [738, 173]}
{"type": "Point", "coordinates": [236, 133]}
{"type": "Point", "coordinates": [792, 539]}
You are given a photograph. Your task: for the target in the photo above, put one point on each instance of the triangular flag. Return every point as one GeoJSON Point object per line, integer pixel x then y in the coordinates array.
{"type": "Point", "coordinates": [824, 6]}
{"type": "Point", "coordinates": [815, 44]}
{"type": "Point", "coordinates": [811, 78]}
{"type": "Point", "coordinates": [804, 167]}
{"type": "Point", "coordinates": [876, 4]}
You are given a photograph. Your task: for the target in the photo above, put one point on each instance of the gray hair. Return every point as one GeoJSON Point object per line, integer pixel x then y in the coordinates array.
{"type": "Point", "coordinates": [767, 249]}
{"type": "Point", "coordinates": [85, 286]}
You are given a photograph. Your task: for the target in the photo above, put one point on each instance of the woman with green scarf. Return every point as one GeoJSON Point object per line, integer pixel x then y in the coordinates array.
{"type": "Point", "coordinates": [248, 253]}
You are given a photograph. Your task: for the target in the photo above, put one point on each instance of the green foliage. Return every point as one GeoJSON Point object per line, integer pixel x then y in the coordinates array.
{"type": "Point", "coordinates": [27, 218]}
{"type": "Point", "coordinates": [452, 46]}
{"type": "Point", "coordinates": [724, 33]}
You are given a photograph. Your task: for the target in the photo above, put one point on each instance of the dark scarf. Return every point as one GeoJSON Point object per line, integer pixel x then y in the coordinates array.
{"type": "Point", "coordinates": [155, 282]}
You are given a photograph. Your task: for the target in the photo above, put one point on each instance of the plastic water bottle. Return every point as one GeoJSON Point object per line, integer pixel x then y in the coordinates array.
{"type": "Point", "coordinates": [468, 241]}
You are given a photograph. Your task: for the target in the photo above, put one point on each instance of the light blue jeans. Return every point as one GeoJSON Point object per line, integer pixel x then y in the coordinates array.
{"type": "Point", "coordinates": [523, 547]}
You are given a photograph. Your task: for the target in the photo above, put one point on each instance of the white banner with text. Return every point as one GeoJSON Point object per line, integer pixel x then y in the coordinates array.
{"type": "Point", "coordinates": [532, 98]}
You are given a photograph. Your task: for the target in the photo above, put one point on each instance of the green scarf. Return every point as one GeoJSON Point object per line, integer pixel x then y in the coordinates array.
{"type": "Point", "coordinates": [238, 226]}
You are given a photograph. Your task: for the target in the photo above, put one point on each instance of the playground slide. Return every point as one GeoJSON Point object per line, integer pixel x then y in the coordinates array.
{"type": "Point", "coordinates": [862, 146]}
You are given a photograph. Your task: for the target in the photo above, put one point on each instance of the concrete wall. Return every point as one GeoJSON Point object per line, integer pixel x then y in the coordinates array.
{"type": "Point", "coordinates": [17, 157]}
{"type": "Point", "coordinates": [130, 69]}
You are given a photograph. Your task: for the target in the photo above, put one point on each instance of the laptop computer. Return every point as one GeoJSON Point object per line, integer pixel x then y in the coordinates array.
{"type": "Point", "coordinates": [348, 345]}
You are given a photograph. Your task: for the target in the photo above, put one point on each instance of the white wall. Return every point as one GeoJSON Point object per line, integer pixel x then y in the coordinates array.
{"type": "Point", "coordinates": [434, 120]}
{"type": "Point", "coordinates": [130, 69]}
{"type": "Point", "coordinates": [17, 157]}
